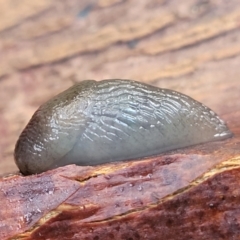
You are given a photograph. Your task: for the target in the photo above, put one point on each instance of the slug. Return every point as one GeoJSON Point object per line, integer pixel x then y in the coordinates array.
{"type": "Point", "coordinates": [112, 120]}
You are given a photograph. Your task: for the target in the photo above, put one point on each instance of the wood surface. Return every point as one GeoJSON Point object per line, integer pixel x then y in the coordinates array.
{"type": "Point", "coordinates": [193, 48]}
{"type": "Point", "coordinates": [185, 194]}
{"type": "Point", "coordinates": [47, 45]}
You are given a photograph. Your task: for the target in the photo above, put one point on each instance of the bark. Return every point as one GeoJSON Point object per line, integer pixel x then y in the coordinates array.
{"type": "Point", "coordinates": [191, 193]}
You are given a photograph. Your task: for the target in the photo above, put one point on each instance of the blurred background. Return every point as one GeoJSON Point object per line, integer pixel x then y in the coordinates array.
{"type": "Point", "coordinates": [191, 46]}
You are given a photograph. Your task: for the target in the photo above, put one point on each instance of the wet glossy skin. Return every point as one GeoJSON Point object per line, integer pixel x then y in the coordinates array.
{"type": "Point", "coordinates": [97, 122]}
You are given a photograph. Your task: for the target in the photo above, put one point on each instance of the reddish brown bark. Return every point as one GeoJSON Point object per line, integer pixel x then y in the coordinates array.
{"type": "Point", "coordinates": [191, 193]}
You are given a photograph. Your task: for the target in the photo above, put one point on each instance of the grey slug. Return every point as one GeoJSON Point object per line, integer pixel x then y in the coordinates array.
{"type": "Point", "coordinates": [112, 120]}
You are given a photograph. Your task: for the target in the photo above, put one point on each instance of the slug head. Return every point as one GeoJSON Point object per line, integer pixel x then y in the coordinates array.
{"type": "Point", "coordinates": [53, 130]}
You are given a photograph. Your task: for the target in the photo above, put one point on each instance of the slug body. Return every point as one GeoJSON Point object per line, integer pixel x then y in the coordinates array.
{"type": "Point", "coordinates": [97, 122]}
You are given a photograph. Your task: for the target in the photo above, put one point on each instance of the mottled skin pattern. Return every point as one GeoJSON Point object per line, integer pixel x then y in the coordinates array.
{"type": "Point", "coordinates": [111, 120]}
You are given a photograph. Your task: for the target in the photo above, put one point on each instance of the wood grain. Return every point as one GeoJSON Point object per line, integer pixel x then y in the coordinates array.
{"type": "Point", "coordinates": [192, 48]}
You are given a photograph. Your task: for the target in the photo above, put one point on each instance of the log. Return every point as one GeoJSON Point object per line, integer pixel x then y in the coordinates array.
{"type": "Point", "coordinates": [193, 48]}
{"type": "Point", "coordinates": [191, 193]}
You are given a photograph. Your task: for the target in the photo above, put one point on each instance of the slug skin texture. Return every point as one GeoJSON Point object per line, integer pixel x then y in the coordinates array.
{"type": "Point", "coordinates": [112, 120]}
